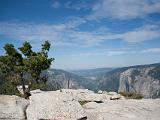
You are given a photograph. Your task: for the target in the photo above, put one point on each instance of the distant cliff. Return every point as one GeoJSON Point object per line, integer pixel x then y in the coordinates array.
{"type": "Point", "coordinates": [145, 81]}
{"type": "Point", "coordinates": [62, 79]}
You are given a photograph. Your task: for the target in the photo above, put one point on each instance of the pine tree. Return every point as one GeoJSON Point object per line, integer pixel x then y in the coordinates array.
{"type": "Point", "coordinates": [10, 66]}
{"type": "Point", "coordinates": [14, 64]}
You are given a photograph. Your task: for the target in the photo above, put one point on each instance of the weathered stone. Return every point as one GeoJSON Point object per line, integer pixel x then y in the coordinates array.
{"type": "Point", "coordinates": [115, 97]}
{"type": "Point", "coordinates": [88, 95]}
{"type": "Point", "coordinates": [100, 92]}
{"type": "Point", "coordinates": [124, 110]}
{"type": "Point", "coordinates": [54, 105]}
{"type": "Point", "coordinates": [64, 105]}
{"type": "Point", "coordinates": [12, 107]}
{"type": "Point", "coordinates": [112, 93]}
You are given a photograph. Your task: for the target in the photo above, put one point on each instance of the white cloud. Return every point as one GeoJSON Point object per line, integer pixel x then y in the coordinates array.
{"type": "Point", "coordinates": [74, 22]}
{"type": "Point", "coordinates": [124, 9]}
{"type": "Point", "coordinates": [66, 35]}
{"type": "Point", "coordinates": [111, 53]}
{"type": "Point", "coordinates": [56, 4]}
{"type": "Point", "coordinates": [151, 50]}
{"type": "Point", "coordinates": [29, 31]}
{"type": "Point", "coordinates": [116, 52]}
{"type": "Point", "coordinates": [88, 54]}
{"type": "Point", "coordinates": [142, 34]}
{"type": "Point", "coordinates": [107, 53]}
{"type": "Point", "coordinates": [103, 52]}
{"type": "Point", "coordinates": [78, 5]}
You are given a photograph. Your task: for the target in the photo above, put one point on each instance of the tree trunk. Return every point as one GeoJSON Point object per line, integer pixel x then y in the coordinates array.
{"type": "Point", "coordinates": [68, 83]}
{"type": "Point", "coordinates": [23, 84]}
{"type": "Point", "coordinates": [36, 79]}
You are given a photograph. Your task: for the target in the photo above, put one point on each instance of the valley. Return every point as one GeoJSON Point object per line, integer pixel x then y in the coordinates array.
{"type": "Point", "coordinates": [111, 79]}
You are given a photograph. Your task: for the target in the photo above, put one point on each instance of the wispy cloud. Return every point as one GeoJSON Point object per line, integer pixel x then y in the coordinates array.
{"type": "Point", "coordinates": [144, 33]}
{"type": "Point", "coordinates": [124, 9]}
{"type": "Point", "coordinates": [65, 33]}
{"type": "Point", "coordinates": [87, 54]}
{"type": "Point", "coordinates": [106, 52]}
{"type": "Point", "coordinates": [151, 50]}
{"type": "Point", "coordinates": [117, 52]}
{"type": "Point", "coordinates": [111, 53]}
{"type": "Point", "coordinates": [74, 22]}
{"type": "Point", "coordinates": [73, 5]}
{"type": "Point", "coordinates": [78, 5]}
{"type": "Point", "coordinates": [56, 4]}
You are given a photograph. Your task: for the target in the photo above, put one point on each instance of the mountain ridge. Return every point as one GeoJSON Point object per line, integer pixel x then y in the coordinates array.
{"type": "Point", "coordinates": [105, 81]}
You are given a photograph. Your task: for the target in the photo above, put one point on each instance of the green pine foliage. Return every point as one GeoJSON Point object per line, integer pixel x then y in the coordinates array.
{"type": "Point", "coordinates": [16, 63]}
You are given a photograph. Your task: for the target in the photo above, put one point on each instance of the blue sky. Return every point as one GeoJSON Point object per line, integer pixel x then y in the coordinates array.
{"type": "Point", "coordinates": [85, 33]}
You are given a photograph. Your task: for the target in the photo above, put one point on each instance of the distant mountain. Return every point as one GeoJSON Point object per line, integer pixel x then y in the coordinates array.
{"type": "Point", "coordinates": [61, 78]}
{"type": "Point", "coordinates": [91, 72]}
{"type": "Point", "coordinates": [109, 79]}
{"type": "Point", "coordinates": [144, 80]}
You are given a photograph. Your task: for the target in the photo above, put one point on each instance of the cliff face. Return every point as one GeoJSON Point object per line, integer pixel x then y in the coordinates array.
{"type": "Point", "coordinates": [141, 80]}
{"type": "Point", "coordinates": [110, 81]}
{"type": "Point", "coordinates": [59, 79]}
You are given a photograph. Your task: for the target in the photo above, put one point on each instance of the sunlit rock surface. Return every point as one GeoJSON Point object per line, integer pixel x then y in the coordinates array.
{"type": "Point", "coordinates": [12, 107]}
{"type": "Point", "coordinates": [81, 104]}
{"type": "Point", "coordinates": [54, 105]}
{"type": "Point", "coordinates": [145, 109]}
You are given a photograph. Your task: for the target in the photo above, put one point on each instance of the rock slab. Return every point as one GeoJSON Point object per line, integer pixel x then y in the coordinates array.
{"type": "Point", "coordinates": [12, 107]}
{"type": "Point", "coordinates": [54, 106]}
{"type": "Point", "coordinates": [64, 105]}
{"type": "Point", "coordinates": [145, 109]}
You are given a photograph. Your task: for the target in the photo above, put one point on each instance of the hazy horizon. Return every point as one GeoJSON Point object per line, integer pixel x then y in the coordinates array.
{"type": "Point", "coordinates": [90, 68]}
{"type": "Point", "coordinates": [85, 34]}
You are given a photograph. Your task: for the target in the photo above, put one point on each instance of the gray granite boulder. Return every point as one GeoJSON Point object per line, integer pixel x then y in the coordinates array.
{"type": "Point", "coordinates": [12, 107]}
{"type": "Point", "coordinates": [145, 109]}
{"type": "Point", "coordinates": [54, 105]}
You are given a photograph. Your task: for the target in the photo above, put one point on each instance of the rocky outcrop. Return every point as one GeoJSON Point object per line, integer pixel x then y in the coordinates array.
{"type": "Point", "coordinates": [64, 104]}
{"type": "Point", "coordinates": [12, 107]}
{"type": "Point", "coordinates": [81, 104]}
{"type": "Point", "coordinates": [124, 110]}
{"type": "Point", "coordinates": [54, 105]}
{"type": "Point", "coordinates": [140, 81]}
{"type": "Point", "coordinates": [88, 95]}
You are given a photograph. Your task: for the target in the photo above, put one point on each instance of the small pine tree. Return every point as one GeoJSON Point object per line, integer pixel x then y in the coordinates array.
{"type": "Point", "coordinates": [13, 65]}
